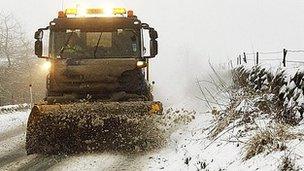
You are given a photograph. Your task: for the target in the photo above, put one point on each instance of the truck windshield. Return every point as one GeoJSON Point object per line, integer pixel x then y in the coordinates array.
{"type": "Point", "coordinates": [80, 44]}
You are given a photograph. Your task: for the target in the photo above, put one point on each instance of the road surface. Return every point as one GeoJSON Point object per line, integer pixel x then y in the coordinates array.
{"type": "Point", "coordinates": [13, 154]}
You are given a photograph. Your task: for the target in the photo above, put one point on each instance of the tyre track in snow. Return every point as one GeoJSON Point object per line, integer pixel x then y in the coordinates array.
{"type": "Point", "coordinates": [12, 156]}
{"type": "Point", "coordinates": [130, 162]}
{"type": "Point", "coordinates": [41, 163]}
{"type": "Point", "coordinates": [15, 157]}
{"type": "Point", "coordinates": [21, 129]}
{"type": "Point", "coordinates": [19, 160]}
{"type": "Point", "coordinates": [8, 141]}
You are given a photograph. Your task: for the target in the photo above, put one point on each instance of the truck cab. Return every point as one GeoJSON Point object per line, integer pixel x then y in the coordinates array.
{"type": "Point", "coordinates": [97, 57]}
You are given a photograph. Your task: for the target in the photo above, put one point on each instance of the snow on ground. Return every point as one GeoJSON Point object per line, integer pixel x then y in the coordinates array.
{"type": "Point", "coordinates": [188, 148]}
{"type": "Point", "coordinates": [290, 70]}
{"type": "Point", "coordinates": [10, 121]}
{"type": "Point", "coordinates": [3, 61]}
{"type": "Point", "coordinates": [12, 129]}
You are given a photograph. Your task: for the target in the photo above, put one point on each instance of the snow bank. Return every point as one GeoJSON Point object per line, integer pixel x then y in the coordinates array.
{"type": "Point", "coordinates": [9, 121]}
{"type": "Point", "coordinates": [14, 108]}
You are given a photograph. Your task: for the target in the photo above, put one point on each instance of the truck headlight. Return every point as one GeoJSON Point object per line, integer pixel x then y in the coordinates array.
{"type": "Point", "coordinates": [46, 66]}
{"type": "Point", "coordinates": [141, 64]}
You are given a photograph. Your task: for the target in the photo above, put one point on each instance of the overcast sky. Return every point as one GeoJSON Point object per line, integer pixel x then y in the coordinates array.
{"type": "Point", "coordinates": [192, 31]}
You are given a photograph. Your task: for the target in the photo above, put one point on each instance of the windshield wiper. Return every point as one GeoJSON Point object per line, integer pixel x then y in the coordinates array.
{"type": "Point", "coordinates": [65, 45]}
{"type": "Point", "coordinates": [96, 47]}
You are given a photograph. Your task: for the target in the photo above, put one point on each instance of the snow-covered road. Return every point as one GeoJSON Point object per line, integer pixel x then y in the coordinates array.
{"type": "Point", "coordinates": [13, 155]}
{"type": "Point", "coordinates": [188, 148]}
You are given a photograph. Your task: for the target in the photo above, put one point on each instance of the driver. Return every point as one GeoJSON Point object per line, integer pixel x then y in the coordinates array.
{"type": "Point", "coordinates": [74, 45]}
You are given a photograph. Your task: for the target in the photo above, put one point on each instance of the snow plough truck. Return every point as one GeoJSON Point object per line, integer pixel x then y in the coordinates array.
{"type": "Point", "coordinates": [98, 92]}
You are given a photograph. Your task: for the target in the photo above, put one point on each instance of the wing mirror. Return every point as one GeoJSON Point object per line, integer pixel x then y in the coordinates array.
{"type": "Point", "coordinates": [38, 44]}
{"type": "Point", "coordinates": [38, 48]}
{"type": "Point", "coordinates": [39, 35]}
{"type": "Point", "coordinates": [153, 33]}
{"type": "Point", "coordinates": [153, 48]}
{"type": "Point", "coordinates": [153, 42]}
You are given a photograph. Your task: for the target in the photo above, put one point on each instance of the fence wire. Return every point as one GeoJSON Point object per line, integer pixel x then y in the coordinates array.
{"type": "Point", "coordinates": [257, 57]}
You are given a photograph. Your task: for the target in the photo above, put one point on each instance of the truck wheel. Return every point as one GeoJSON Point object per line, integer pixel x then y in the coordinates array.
{"type": "Point", "coordinates": [134, 82]}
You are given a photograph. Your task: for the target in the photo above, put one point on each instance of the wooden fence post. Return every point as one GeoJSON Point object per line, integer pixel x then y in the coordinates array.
{"type": "Point", "coordinates": [245, 58]}
{"type": "Point", "coordinates": [284, 57]}
{"type": "Point", "coordinates": [31, 95]}
{"type": "Point", "coordinates": [237, 60]}
{"type": "Point", "coordinates": [257, 58]}
{"type": "Point", "coordinates": [231, 64]}
{"type": "Point", "coordinates": [12, 100]}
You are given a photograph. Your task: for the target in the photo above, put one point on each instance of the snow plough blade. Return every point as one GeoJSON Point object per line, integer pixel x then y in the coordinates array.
{"type": "Point", "coordinates": [90, 126]}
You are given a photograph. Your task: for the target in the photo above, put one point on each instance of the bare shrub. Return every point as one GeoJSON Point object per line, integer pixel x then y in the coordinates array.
{"type": "Point", "coordinates": [288, 164]}
{"type": "Point", "coordinates": [268, 140]}
{"type": "Point", "coordinates": [222, 123]}
{"type": "Point", "coordinates": [240, 76]}
{"type": "Point", "coordinates": [218, 93]}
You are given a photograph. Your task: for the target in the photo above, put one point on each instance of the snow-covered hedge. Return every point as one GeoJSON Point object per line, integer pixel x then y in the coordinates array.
{"type": "Point", "coordinates": [287, 86]}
